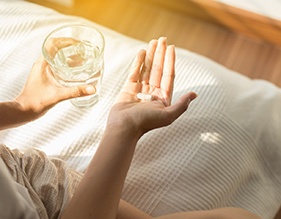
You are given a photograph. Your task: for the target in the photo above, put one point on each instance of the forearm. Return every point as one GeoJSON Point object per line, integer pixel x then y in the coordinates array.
{"type": "Point", "coordinates": [127, 211]}
{"type": "Point", "coordinates": [12, 115]}
{"type": "Point", "coordinates": [100, 190]}
{"type": "Point", "coordinates": [219, 213]}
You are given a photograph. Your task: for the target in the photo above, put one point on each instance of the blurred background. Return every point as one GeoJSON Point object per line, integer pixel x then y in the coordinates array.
{"type": "Point", "coordinates": [243, 35]}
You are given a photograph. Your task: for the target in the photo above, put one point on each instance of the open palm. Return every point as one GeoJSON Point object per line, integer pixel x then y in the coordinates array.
{"type": "Point", "coordinates": [152, 74]}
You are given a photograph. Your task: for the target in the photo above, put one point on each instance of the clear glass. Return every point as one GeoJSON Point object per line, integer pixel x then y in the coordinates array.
{"type": "Point", "coordinates": [75, 54]}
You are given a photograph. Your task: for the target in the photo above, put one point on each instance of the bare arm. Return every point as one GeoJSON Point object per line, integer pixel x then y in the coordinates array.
{"type": "Point", "coordinates": [278, 215]}
{"type": "Point", "coordinates": [11, 115]}
{"type": "Point", "coordinates": [99, 192]}
{"type": "Point", "coordinates": [127, 211]}
{"type": "Point", "coordinates": [219, 213]}
{"type": "Point", "coordinates": [98, 195]}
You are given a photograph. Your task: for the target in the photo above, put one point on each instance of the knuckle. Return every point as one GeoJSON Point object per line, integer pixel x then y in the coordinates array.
{"type": "Point", "coordinates": [76, 92]}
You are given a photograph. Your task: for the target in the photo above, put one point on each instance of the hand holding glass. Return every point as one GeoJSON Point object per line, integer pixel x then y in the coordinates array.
{"type": "Point", "coordinates": [75, 55]}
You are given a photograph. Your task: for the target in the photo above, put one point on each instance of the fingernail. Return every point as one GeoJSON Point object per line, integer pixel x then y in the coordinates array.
{"type": "Point", "coordinates": [162, 38]}
{"type": "Point", "coordinates": [193, 96]}
{"type": "Point", "coordinates": [172, 47]}
{"type": "Point", "coordinates": [90, 90]}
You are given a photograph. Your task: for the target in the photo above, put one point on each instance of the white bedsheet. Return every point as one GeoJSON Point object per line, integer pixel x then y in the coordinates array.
{"type": "Point", "coordinates": [224, 151]}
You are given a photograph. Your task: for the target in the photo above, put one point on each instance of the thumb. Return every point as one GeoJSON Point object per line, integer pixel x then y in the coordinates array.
{"type": "Point", "coordinates": [177, 109]}
{"type": "Point", "coordinates": [78, 91]}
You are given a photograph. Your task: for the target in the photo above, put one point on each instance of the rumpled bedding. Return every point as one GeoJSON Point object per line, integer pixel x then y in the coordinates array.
{"type": "Point", "coordinates": [224, 151]}
{"type": "Point", "coordinates": [50, 183]}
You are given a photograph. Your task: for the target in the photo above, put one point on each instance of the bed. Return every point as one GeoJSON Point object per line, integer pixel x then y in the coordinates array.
{"type": "Point", "coordinates": [225, 151]}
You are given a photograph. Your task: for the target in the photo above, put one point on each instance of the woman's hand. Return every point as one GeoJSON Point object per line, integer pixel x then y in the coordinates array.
{"type": "Point", "coordinates": [42, 91]}
{"type": "Point", "coordinates": [153, 73]}
{"type": "Point", "coordinates": [99, 192]}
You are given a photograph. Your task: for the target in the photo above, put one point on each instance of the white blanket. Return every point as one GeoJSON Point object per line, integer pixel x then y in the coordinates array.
{"type": "Point", "coordinates": [224, 151]}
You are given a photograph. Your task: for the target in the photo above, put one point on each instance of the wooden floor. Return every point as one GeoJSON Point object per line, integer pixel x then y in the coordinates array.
{"type": "Point", "coordinates": [144, 20]}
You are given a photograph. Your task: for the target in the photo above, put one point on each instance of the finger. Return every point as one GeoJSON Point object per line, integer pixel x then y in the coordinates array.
{"type": "Point", "coordinates": [177, 109]}
{"type": "Point", "coordinates": [40, 64]}
{"type": "Point", "coordinates": [168, 76]}
{"type": "Point", "coordinates": [158, 62]}
{"type": "Point", "coordinates": [41, 61]}
{"type": "Point", "coordinates": [53, 45]}
{"type": "Point", "coordinates": [78, 91]}
{"type": "Point", "coordinates": [83, 90]}
{"type": "Point", "coordinates": [41, 67]}
{"type": "Point", "coordinates": [136, 67]}
{"type": "Point", "coordinates": [148, 62]}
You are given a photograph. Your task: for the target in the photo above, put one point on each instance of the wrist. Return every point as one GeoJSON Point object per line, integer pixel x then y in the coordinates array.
{"type": "Point", "coordinates": [22, 105]}
{"type": "Point", "coordinates": [125, 129]}
{"type": "Point", "coordinates": [29, 107]}
{"type": "Point", "coordinates": [25, 111]}
{"type": "Point", "coordinates": [12, 115]}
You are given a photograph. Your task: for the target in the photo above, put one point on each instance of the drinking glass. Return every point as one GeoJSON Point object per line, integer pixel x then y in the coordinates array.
{"type": "Point", "coordinates": [75, 54]}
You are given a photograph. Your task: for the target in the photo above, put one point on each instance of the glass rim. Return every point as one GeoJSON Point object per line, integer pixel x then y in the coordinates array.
{"type": "Point", "coordinates": [44, 52]}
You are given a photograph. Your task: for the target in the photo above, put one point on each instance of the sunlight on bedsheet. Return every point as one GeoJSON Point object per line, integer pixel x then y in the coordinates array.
{"type": "Point", "coordinates": [210, 137]}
